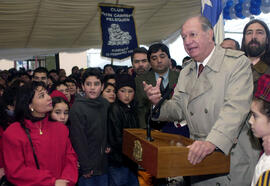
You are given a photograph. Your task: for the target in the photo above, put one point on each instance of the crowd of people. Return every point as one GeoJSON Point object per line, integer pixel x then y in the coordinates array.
{"type": "Point", "coordinates": [68, 130]}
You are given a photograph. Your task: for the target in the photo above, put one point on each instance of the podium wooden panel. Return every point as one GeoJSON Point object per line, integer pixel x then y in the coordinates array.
{"type": "Point", "coordinates": [166, 156]}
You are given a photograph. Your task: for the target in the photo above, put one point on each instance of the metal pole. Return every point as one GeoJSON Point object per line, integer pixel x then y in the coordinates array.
{"type": "Point", "coordinates": [111, 61]}
{"type": "Point", "coordinates": [57, 61]}
{"type": "Point", "coordinates": [116, 2]}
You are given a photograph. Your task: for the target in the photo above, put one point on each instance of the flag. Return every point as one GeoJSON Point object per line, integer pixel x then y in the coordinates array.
{"type": "Point", "coordinates": [212, 10]}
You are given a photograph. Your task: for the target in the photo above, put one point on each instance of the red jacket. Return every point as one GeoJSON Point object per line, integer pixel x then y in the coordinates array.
{"type": "Point", "coordinates": [56, 157]}
{"type": "Point", "coordinates": [1, 148]}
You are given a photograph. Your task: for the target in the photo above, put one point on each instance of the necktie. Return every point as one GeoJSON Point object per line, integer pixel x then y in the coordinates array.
{"type": "Point", "coordinates": [201, 67]}
{"type": "Point", "coordinates": [162, 89]}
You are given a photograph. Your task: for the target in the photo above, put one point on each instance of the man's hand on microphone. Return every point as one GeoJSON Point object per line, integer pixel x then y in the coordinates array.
{"type": "Point", "coordinates": [153, 93]}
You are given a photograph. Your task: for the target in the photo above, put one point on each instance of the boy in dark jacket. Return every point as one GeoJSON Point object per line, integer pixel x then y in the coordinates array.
{"type": "Point", "coordinates": [122, 114]}
{"type": "Point", "coordinates": [88, 130]}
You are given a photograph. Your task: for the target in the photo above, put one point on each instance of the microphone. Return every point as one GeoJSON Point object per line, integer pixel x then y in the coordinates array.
{"type": "Point", "coordinates": [155, 113]}
{"type": "Point", "coordinates": [157, 107]}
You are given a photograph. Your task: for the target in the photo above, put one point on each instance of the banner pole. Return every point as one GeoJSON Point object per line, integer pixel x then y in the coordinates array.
{"type": "Point", "coordinates": [111, 61]}
{"type": "Point", "coordinates": [116, 2]}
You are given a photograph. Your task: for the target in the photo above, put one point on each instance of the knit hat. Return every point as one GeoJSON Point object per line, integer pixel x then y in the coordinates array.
{"type": "Point", "coordinates": [263, 88]}
{"type": "Point", "coordinates": [123, 80]}
{"type": "Point", "coordinates": [57, 93]}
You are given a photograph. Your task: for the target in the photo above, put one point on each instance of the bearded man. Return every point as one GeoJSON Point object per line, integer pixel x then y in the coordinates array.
{"type": "Point", "coordinates": [140, 61]}
{"type": "Point", "coordinates": [255, 44]}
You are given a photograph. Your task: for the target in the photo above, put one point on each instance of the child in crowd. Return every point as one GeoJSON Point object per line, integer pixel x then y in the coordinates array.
{"type": "Point", "coordinates": [109, 92]}
{"type": "Point", "coordinates": [60, 110]}
{"type": "Point", "coordinates": [50, 81]}
{"type": "Point", "coordinates": [7, 106]}
{"type": "Point", "coordinates": [88, 130]}
{"type": "Point", "coordinates": [72, 87]}
{"type": "Point", "coordinates": [260, 125]}
{"type": "Point", "coordinates": [110, 78]}
{"type": "Point", "coordinates": [122, 114]}
{"type": "Point", "coordinates": [62, 87]}
{"type": "Point", "coordinates": [2, 88]}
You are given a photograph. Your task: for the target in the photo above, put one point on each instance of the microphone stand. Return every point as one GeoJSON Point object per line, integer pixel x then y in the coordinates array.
{"type": "Point", "coordinates": [148, 129]}
{"type": "Point", "coordinates": [155, 114]}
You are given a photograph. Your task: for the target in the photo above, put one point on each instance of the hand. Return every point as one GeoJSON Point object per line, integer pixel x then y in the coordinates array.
{"type": "Point", "coordinates": [266, 144]}
{"type": "Point", "coordinates": [88, 175]}
{"type": "Point", "coordinates": [107, 150]}
{"type": "Point", "coordinates": [2, 172]}
{"type": "Point", "coordinates": [153, 93]}
{"type": "Point", "coordinates": [198, 150]}
{"type": "Point", "coordinates": [61, 182]}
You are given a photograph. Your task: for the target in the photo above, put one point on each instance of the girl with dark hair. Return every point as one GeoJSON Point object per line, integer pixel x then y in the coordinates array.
{"type": "Point", "coordinates": [37, 151]}
{"type": "Point", "coordinates": [109, 92]}
{"type": "Point", "coordinates": [260, 125]}
{"type": "Point", "coordinates": [60, 110]}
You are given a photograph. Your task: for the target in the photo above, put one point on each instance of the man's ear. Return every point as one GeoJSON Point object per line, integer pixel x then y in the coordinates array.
{"type": "Point", "coordinates": [210, 33]}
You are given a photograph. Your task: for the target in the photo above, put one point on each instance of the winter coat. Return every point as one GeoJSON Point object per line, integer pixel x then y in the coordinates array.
{"type": "Point", "coordinates": [215, 106]}
{"type": "Point", "coordinates": [120, 116]}
{"type": "Point", "coordinates": [88, 133]}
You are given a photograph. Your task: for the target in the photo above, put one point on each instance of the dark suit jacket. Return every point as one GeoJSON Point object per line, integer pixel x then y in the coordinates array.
{"type": "Point", "coordinates": [143, 102]}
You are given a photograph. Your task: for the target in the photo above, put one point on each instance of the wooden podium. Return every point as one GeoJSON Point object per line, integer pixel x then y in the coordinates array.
{"type": "Point", "coordinates": [166, 156]}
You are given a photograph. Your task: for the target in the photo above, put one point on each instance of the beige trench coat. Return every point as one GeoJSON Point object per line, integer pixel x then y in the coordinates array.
{"type": "Point", "coordinates": [215, 106]}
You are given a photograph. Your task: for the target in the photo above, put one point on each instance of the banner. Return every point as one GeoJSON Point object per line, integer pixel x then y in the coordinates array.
{"type": "Point", "coordinates": [118, 31]}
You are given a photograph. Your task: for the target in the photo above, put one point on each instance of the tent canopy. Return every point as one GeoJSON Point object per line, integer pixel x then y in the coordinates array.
{"type": "Point", "coordinates": [37, 26]}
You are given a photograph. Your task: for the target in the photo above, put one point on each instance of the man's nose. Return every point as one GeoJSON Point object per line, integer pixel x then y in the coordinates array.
{"type": "Point", "coordinates": [159, 60]}
{"type": "Point", "coordinates": [254, 35]}
{"type": "Point", "coordinates": [187, 40]}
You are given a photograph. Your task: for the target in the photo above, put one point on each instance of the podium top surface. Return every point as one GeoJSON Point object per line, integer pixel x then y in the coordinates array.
{"type": "Point", "coordinates": [162, 139]}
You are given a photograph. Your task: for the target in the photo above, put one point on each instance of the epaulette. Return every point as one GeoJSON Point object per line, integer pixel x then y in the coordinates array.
{"type": "Point", "coordinates": [234, 53]}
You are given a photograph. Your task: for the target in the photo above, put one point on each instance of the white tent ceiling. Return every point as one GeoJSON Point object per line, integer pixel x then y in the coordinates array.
{"type": "Point", "coordinates": [33, 27]}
